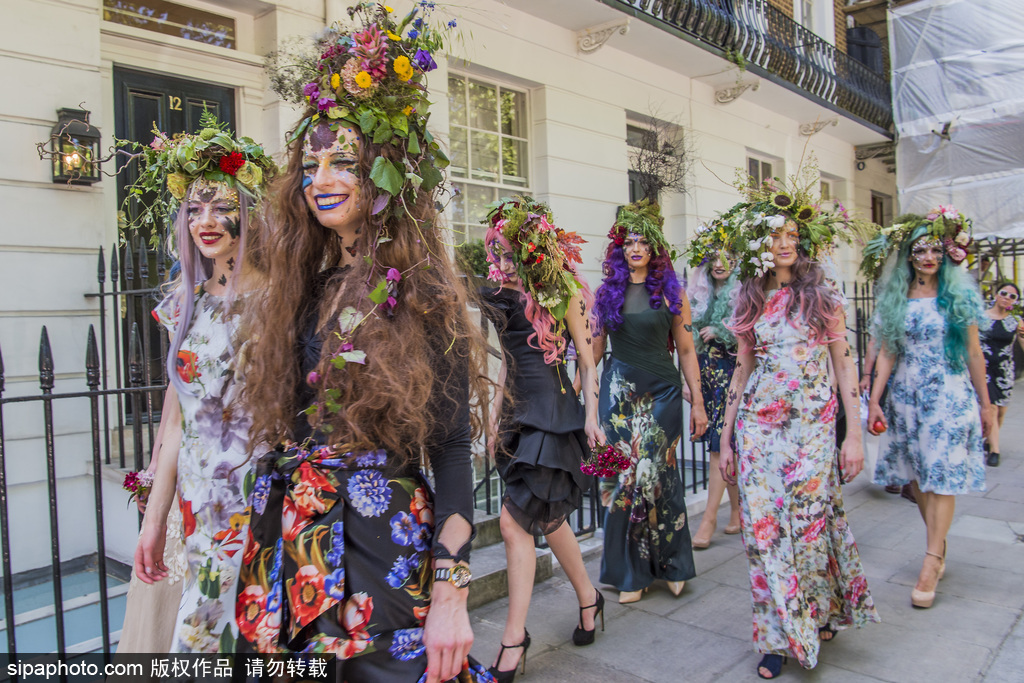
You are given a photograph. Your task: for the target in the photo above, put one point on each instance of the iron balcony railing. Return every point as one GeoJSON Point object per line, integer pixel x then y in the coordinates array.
{"type": "Point", "coordinates": [770, 43]}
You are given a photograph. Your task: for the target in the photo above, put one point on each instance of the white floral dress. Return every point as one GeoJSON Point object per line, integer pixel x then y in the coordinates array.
{"type": "Point", "coordinates": [214, 477]}
{"type": "Point", "coordinates": [805, 571]}
{"type": "Point", "coordinates": [934, 434]}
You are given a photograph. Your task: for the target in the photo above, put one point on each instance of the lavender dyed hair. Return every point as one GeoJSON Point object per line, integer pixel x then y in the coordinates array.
{"type": "Point", "coordinates": [662, 283]}
{"type": "Point", "coordinates": [195, 270]}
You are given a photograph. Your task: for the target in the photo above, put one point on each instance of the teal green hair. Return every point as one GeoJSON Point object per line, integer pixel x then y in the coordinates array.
{"type": "Point", "coordinates": [958, 301]}
{"type": "Point", "coordinates": [717, 313]}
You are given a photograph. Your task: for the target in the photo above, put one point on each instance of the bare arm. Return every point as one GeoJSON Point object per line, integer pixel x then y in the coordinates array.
{"type": "Point", "coordinates": [869, 365]}
{"type": "Point", "coordinates": [578, 320]}
{"type": "Point", "coordinates": [744, 368]}
{"type": "Point", "coordinates": [142, 500]}
{"type": "Point", "coordinates": [852, 452]}
{"type": "Point", "coordinates": [149, 554]}
{"type": "Point", "coordinates": [976, 368]}
{"type": "Point", "coordinates": [682, 335]}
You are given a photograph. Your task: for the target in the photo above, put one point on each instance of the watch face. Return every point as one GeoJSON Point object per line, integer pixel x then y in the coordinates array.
{"type": "Point", "coordinates": [461, 576]}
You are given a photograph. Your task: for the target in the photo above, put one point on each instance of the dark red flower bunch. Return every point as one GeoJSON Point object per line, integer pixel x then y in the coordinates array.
{"type": "Point", "coordinates": [606, 461]}
{"type": "Point", "coordinates": [230, 163]}
{"type": "Point", "coordinates": [617, 234]}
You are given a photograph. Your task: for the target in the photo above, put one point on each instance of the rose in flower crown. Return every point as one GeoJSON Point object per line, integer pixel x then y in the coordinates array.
{"type": "Point", "coordinates": [544, 254]}
{"type": "Point", "coordinates": [768, 207]}
{"type": "Point", "coordinates": [945, 224]}
{"type": "Point", "coordinates": [213, 154]}
{"type": "Point", "coordinates": [370, 75]}
{"type": "Point", "coordinates": [642, 218]}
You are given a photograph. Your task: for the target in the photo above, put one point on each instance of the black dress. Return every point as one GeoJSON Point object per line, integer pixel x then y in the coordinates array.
{"type": "Point", "coordinates": [997, 345]}
{"type": "Point", "coordinates": [339, 560]}
{"type": "Point", "coordinates": [541, 440]}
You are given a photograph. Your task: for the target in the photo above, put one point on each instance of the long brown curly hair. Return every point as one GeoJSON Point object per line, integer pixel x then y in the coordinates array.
{"type": "Point", "coordinates": [386, 402]}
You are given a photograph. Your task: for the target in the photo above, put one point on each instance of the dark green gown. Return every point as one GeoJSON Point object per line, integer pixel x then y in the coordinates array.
{"type": "Point", "coordinates": [646, 536]}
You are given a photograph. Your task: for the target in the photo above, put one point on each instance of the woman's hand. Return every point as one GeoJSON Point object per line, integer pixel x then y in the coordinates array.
{"type": "Point", "coordinates": [595, 435]}
{"type": "Point", "coordinates": [149, 553]}
{"type": "Point", "coordinates": [875, 415]}
{"type": "Point", "coordinates": [865, 384]}
{"type": "Point", "coordinates": [447, 634]}
{"type": "Point", "coordinates": [686, 393]}
{"type": "Point", "coordinates": [727, 461]}
{"type": "Point", "coordinates": [698, 422]}
{"type": "Point", "coordinates": [851, 456]}
{"type": "Point", "coordinates": [988, 419]}
{"type": "Point", "coordinates": [707, 334]}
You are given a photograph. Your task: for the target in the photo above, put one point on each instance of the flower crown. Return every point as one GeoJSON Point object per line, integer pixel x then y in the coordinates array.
{"type": "Point", "coordinates": [708, 241]}
{"type": "Point", "coordinates": [371, 78]}
{"type": "Point", "coordinates": [945, 223]}
{"type": "Point", "coordinates": [642, 218]}
{"type": "Point", "coordinates": [543, 253]}
{"type": "Point", "coordinates": [176, 162]}
{"type": "Point", "coordinates": [768, 207]}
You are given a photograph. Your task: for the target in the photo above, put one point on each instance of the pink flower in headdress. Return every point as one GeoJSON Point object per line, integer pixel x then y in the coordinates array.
{"type": "Point", "coordinates": [371, 49]}
{"type": "Point", "coordinates": [393, 275]}
{"type": "Point", "coordinates": [158, 143]}
{"type": "Point", "coordinates": [956, 254]}
{"type": "Point", "coordinates": [949, 212]}
{"type": "Point", "coordinates": [544, 226]}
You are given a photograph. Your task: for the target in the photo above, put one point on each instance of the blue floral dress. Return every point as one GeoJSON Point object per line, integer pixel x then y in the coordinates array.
{"type": "Point", "coordinates": [934, 434]}
{"type": "Point", "coordinates": [805, 571]}
{"type": "Point", "coordinates": [213, 476]}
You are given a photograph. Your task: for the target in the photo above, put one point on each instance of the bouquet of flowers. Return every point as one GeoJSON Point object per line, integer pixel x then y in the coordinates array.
{"type": "Point", "coordinates": [606, 460]}
{"type": "Point", "coordinates": [138, 484]}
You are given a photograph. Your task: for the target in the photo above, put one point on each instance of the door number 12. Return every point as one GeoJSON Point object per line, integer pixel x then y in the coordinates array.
{"type": "Point", "coordinates": [175, 103]}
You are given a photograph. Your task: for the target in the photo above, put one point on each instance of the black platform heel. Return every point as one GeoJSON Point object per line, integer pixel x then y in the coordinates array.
{"type": "Point", "coordinates": [508, 676]}
{"type": "Point", "coordinates": [581, 636]}
{"type": "Point", "coordinates": [773, 663]}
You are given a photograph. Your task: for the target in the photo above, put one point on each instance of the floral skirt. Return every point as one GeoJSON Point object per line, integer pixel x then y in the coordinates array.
{"type": "Point", "coordinates": [716, 367]}
{"type": "Point", "coordinates": [339, 563]}
{"type": "Point", "coordinates": [646, 536]}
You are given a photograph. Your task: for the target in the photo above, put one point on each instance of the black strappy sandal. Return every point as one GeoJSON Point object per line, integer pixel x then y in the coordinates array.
{"type": "Point", "coordinates": [508, 676]}
{"type": "Point", "coordinates": [826, 633]}
{"type": "Point", "coordinates": [581, 636]}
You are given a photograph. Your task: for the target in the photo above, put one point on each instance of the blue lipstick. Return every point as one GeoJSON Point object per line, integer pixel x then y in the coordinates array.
{"type": "Point", "coordinates": [328, 207]}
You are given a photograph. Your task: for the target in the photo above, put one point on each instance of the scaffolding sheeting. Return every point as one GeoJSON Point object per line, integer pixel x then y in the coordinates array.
{"type": "Point", "coordinates": [958, 105]}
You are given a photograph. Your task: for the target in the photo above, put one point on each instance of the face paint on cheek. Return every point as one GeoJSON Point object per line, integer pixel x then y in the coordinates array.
{"type": "Point", "coordinates": [231, 226]}
{"type": "Point", "coordinates": [307, 180]}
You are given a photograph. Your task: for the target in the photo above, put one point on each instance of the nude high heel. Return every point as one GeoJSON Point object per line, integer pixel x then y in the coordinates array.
{"type": "Point", "coordinates": [924, 599]}
{"type": "Point", "coordinates": [626, 597]}
{"type": "Point", "coordinates": [676, 586]}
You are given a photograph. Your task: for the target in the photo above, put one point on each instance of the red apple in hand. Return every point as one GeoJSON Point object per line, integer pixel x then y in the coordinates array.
{"type": "Point", "coordinates": [878, 427]}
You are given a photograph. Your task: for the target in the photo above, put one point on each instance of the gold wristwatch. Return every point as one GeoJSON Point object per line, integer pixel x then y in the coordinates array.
{"type": "Point", "coordinates": [458, 576]}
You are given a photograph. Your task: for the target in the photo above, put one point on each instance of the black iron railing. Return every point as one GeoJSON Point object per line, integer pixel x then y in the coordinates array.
{"type": "Point", "coordinates": [769, 42]}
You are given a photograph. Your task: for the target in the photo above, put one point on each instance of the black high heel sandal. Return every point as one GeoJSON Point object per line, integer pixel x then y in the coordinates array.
{"type": "Point", "coordinates": [581, 636]}
{"type": "Point", "coordinates": [773, 663]}
{"type": "Point", "coordinates": [508, 676]}
{"type": "Point", "coordinates": [826, 633]}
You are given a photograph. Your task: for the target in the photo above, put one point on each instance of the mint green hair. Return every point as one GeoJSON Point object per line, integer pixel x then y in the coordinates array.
{"type": "Point", "coordinates": [958, 301]}
{"type": "Point", "coordinates": [712, 306]}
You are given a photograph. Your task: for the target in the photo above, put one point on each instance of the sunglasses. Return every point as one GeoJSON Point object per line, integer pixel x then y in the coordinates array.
{"type": "Point", "coordinates": [1009, 295]}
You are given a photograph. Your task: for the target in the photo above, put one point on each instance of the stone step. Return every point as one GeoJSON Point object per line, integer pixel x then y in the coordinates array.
{"type": "Point", "coordinates": [490, 573]}
{"type": "Point", "coordinates": [488, 529]}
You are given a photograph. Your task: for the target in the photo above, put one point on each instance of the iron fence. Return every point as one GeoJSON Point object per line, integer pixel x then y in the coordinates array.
{"type": "Point", "coordinates": [769, 41]}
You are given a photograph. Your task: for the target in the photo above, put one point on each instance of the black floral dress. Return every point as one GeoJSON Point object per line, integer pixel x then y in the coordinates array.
{"type": "Point", "coordinates": [339, 560]}
{"type": "Point", "coordinates": [997, 345]}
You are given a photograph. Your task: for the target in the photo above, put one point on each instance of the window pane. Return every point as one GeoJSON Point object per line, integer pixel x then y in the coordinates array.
{"type": "Point", "coordinates": [634, 136]}
{"type": "Point", "coordinates": [484, 155]}
{"type": "Point", "coordinates": [826, 190]}
{"type": "Point", "coordinates": [459, 152]}
{"type": "Point", "coordinates": [477, 199]}
{"type": "Point", "coordinates": [171, 19]}
{"type": "Point", "coordinates": [457, 100]}
{"type": "Point", "coordinates": [754, 169]}
{"type": "Point", "coordinates": [766, 171]}
{"type": "Point", "coordinates": [513, 114]}
{"type": "Point", "coordinates": [514, 162]}
{"type": "Point", "coordinates": [459, 203]}
{"type": "Point", "coordinates": [483, 103]}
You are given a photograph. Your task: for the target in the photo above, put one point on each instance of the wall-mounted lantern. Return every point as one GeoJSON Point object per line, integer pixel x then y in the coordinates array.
{"type": "Point", "coordinates": [76, 146]}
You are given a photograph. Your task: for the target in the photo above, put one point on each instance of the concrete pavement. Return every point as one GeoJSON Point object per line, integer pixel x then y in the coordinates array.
{"type": "Point", "coordinates": [974, 632]}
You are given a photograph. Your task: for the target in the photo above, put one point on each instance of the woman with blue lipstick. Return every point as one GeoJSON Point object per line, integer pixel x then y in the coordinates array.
{"type": "Point", "coordinates": [366, 369]}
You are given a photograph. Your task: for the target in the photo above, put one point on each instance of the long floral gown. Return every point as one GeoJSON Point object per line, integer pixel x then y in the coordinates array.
{"type": "Point", "coordinates": [214, 477]}
{"type": "Point", "coordinates": [805, 571]}
{"type": "Point", "coordinates": [997, 338]}
{"type": "Point", "coordinates": [934, 435]}
{"type": "Point", "coordinates": [646, 536]}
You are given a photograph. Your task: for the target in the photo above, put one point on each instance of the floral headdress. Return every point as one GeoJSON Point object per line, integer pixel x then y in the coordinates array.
{"type": "Point", "coordinates": [642, 218]}
{"type": "Point", "coordinates": [768, 207]}
{"type": "Point", "coordinates": [370, 77]}
{"type": "Point", "coordinates": [543, 253]}
{"type": "Point", "coordinates": [710, 239]}
{"type": "Point", "coordinates": [176, 162]}
{"type": "Point", "coordinates": [945, 224]}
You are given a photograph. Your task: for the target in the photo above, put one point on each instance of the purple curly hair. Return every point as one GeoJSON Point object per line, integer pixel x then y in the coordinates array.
{"type": "Point", "coordinates": [662, 284]}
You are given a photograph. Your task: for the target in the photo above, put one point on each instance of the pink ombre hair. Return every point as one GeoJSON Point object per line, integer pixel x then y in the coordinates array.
{"type": "Point", "coordinates": [812, 301]}
{"type": "Point", "coordinates": [543, 337]}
